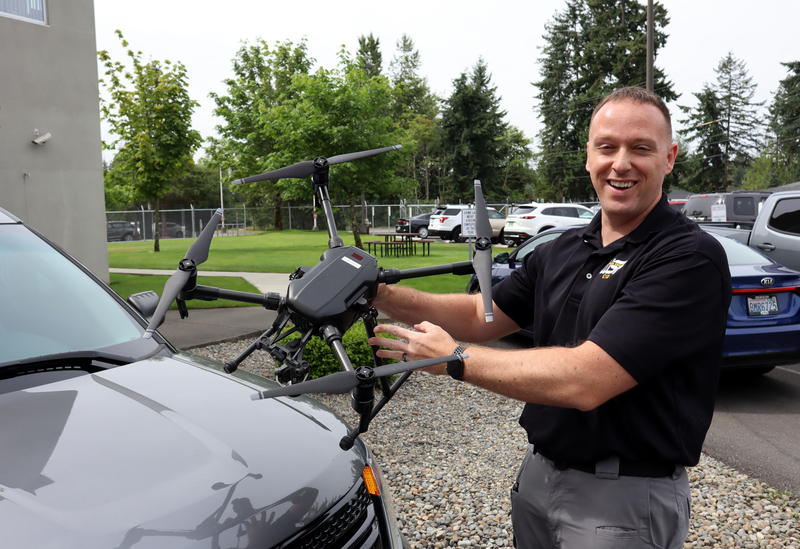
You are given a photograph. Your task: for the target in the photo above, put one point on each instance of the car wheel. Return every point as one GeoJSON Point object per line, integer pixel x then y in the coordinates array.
{"type": "Point", "coordinates": [500, 238]}
{"type": "Point", "coordinates": [508, 241]}
{"type": "Point", "coordinates": [423, 232]}
{"type": "Point", "coordinates": [127, 237]}
{"type": "Point", "coordinates": [455, 234]}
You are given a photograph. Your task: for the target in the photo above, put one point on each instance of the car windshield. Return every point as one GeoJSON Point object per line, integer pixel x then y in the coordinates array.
{"type": "Point", "coordinates": [739, 254]}
{"type": "Point", "coordinates": [585, 214]}
{"type": "Point", "coordinates": [49, 305]}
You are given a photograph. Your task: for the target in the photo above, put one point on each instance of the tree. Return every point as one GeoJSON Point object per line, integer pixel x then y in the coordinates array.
{"type": "Point", "coordinates": [334, 112]}
{"type": "Point", "coordinates": [415, 109]}
{"type": "Point", "coordinates": [705, 168]}
{"type": "Point", "coordinates": [591, 48]}
{"type": "Point", "coordinates": [150, 113]}
{"type": "Point", "coordinates": [263, 78]}
{"type": "Point", "coordinates": [369, 58]}
{"type": "Point", "coordinates": [725, 126]}
{"type": "Point", "coordinates": [785, 126]}
{"type": "Point", "coordinates": [473, 127]}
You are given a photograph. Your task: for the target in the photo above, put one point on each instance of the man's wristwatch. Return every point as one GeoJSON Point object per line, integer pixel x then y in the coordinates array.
{"type": "Point", "coordinates": [455, 368]}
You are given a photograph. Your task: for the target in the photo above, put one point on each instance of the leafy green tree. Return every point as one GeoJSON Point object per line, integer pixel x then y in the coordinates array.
{"type": "Point", "coordinates": [759, 175]}
{"type": "Point", "coordinates": [150, 113]}
{"type": "Point", "coordinates": [515, 171]}
{"type": "Point", "coordinates": [705, 170]}
{"type": "Point", "coordinates": [263, 78]}
{"type": "Point", "coordinates": [785, 126]}
{"type": "Point", "coordinates": [591, 48]}
{"type": "Point", "coordinates": [473, 128]}
{"type": "Point", "coordinates": [334, 112]}
{"type": "Point", "coordinates": [369, 58]}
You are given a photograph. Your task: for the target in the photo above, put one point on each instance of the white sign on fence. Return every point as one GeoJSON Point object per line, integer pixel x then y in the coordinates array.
{"type": "Point", "coordinates": [468, 223]}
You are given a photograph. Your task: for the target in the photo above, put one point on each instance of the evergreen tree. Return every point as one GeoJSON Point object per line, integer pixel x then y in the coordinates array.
{"type": "Point", "coordinates": [743, 128]}
{"type": "Point", "coordinates": [591, 48]}
{"type": "Point", "coordinates": [724, 127]}
{"type": "Point", "coordinates": [369, 58]}
{"type": "Point", "coordinates": [785, 126]}
{"type": "Point", "coordinates": [473, 127]}
{"type": "Point", "coordinates": [705, 170]}
{"type": "Point", "coordinates": [416, 110]}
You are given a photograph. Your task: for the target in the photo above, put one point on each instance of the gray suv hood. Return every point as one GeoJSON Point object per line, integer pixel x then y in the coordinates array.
{"type": "Point", "coordinates": [166, 452]}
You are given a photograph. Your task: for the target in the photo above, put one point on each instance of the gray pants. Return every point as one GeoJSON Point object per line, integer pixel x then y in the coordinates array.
{"type": "Point", "coordinates": [570, 509]}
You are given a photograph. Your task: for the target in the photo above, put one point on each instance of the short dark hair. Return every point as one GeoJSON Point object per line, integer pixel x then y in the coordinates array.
{"type": "Point", "coordinates": [638, 95]}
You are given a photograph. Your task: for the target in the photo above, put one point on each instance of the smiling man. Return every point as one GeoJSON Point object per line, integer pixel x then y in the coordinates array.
{"type": "Point", "coordinates": [628, 315]}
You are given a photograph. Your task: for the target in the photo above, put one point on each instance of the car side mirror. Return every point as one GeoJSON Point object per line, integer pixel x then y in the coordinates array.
{"type": "Point", "coordinates": [145, 303]}
{"type": "Point", "coordinates": [501, 258]}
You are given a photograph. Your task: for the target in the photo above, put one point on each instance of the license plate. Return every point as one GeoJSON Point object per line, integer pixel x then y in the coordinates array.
{"type": "Point", "coordinates": [509, 222]}
{"type": "Point", "coordinates": [762, 305]}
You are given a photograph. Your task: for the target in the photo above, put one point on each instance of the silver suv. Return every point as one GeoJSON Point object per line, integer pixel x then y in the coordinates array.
{"type": "Point", "coordinates": [447, 224]}
{"type": "Point", "coordinates": [113, 440]}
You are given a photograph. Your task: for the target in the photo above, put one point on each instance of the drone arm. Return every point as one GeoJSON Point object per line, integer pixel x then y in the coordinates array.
{"type": "Point", "coordinates": [271, 300]}
{"type": "Point", "coordinates": [333, 338]}
{"type": "Point", "coordinates": [391, 276]}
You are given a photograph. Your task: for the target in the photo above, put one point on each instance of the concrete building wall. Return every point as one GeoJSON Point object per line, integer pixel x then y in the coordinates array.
{"type": "Point", "coordinates": [48, 82]}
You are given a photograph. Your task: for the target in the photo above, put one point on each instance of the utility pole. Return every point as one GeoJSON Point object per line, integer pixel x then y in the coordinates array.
{"type": "Point", "coordinates": [221, 203]}
{"type": "Point", "coordinates": [650, 33]}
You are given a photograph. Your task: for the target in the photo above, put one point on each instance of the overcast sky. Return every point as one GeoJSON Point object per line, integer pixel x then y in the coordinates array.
{"type": "Point", "coordinates": [450, 36]}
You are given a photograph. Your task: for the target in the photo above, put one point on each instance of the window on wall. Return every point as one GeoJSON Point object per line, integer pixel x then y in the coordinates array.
{"type": "Point", "coordinates": [27, 10]}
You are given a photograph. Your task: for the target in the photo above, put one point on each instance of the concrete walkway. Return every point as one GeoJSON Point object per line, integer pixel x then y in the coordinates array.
{"type": "Point", "coordinates": [265, 282]}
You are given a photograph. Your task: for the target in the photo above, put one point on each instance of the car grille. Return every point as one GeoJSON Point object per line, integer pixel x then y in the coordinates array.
{"type": "Point", "coordinates": [350, 524]}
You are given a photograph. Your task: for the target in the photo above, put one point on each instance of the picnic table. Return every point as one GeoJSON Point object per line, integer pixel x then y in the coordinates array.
{"type": "Point", "coordinates": [398, 244]}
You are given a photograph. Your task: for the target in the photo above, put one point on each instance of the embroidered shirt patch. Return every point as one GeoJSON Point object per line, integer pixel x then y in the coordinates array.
{"type": "Point", "coordinates": [613, 266]}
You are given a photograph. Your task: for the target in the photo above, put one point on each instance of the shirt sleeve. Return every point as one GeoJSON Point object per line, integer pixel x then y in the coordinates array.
{"type": "Point", "coordinates": [673, 308]}
{"type": "Point", "coordinates": [515, 295]}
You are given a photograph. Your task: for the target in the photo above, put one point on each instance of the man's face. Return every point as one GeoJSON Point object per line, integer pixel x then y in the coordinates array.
{"type": "Point", "coordinates": [628, 154]}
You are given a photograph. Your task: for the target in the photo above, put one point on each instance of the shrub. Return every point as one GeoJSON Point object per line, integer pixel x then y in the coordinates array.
{"type": "Point", "coordinates": [323, 362]}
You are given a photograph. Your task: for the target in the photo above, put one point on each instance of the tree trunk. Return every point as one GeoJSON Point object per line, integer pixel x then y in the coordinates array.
{"type": "Point", "coordinates": [278, 219]}
{"type": "Point", "coordinates": [354, 221]}
{"type": "Point", "coordinates": [157, 221]}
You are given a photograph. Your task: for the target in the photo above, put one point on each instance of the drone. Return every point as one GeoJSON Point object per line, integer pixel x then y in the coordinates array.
{"type": "Point", "coordinates": [325, 301]}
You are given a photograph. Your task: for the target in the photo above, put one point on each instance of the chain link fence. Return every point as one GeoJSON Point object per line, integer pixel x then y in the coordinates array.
{"type": "Point", "coordinates": [188, 222]}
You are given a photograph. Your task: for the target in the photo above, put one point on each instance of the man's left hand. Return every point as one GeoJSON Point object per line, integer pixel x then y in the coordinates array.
{"type": "Point", "coordinates": [425, 340]}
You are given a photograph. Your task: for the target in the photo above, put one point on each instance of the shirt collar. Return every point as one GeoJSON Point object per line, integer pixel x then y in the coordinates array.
{"type": "Point", "coordinates": [658, 219]}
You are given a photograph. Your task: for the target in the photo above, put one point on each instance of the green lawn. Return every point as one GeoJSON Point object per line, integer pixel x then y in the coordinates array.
{"type": "Point", "coordinates": [125, 285]}
{"type": "Point", "coordinates": [271, 252]}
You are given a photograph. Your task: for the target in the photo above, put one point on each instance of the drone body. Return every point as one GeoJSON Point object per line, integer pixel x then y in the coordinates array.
{"type": "Point", "coordinates": [325, 301]}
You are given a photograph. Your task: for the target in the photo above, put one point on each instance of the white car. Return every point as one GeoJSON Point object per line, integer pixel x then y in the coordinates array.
{"type": "Point", "coordinates": [527, 220]}
{"type": "Point", "coordinates": [447, 224]}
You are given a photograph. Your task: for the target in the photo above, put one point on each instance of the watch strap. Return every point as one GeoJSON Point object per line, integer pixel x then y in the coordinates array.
{"type": "Point", "coordinates": [455, 367]}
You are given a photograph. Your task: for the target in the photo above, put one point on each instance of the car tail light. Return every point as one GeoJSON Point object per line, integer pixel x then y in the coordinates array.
{"type": "Point", "coordinates": [528, 217]}
{"type": "Point", "coordinates": [443, 219]}
{"type": "Point", "coordinates": [402, 222]}
{"type": "Point", "coordinates": [795, 289]}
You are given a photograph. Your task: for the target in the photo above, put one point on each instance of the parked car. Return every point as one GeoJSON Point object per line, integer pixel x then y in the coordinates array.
{"type": "Point", "coordinates": [121, 230]}
{"type": "Point", "coordinates": [776, 229]}
{"type": "Point", "coordinates": [763, 326]}
{"type": "Point", "coordinates": [417, 224]}
{"type": "Point", "coordinates": [527, 220]}
{"type": "Point", "coordinates": [447, 224]}
{"type": "Point", "coordinates": [172, 230]}
{"type": "Point", "coordinates": [698, 207]}
{"type": "Point", "coordinates": [113, 440]}
{"type": "Point", "coordinates": [677, 203]}
{"type": "Point", "coordinates": [742, 207]}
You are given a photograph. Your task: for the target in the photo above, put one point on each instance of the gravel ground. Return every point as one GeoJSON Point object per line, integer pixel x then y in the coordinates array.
{"type": "Point", "coordinates": [450, 452]}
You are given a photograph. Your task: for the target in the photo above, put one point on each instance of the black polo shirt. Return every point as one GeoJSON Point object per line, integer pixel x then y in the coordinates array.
{"type": "Point", "coordinates": [655, 300]}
